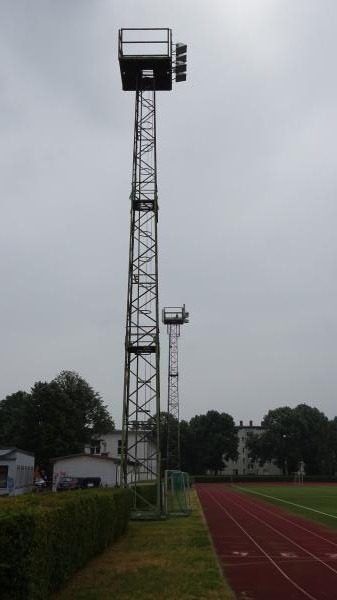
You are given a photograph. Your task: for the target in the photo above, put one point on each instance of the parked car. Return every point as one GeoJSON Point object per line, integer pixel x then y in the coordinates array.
{"type": "Point", "coordinates": [67, 483]}
{"type": "Point", "coordinates": [40, 484]}
{"type": "Point", "coordinates": [90, 482]}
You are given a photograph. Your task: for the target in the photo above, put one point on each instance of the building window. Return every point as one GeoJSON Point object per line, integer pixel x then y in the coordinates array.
{"type": "Point", "coordinates": [19, 475]}
{"type": "Point", "coordinates": [119, 448]}
{"type": "Point", "coordinates": [31, 476]}
{"type": "Point", "coordinates": [95, 448]}
{"type": "Point", "coordinates": [3, 476]}
{"type": "Point", "coordinates": [26, 474]}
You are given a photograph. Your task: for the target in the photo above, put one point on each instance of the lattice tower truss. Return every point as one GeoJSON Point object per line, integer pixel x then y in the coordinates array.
{"type": "Point", "coordinates": [147, 65]}
{"type": "Point", "coordinates": [141, 460]}
{"type": "Point", "coordinates": [173, 438]}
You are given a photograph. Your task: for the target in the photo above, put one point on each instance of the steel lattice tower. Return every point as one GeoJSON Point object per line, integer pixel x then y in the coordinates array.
{"type": "Point", "coordinates": [173, 317]}
{"type": "Point", "coordinates": [146, 64]}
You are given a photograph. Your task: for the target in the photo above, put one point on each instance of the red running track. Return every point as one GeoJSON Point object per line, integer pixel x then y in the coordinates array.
{"type": "Point", "coordinates": [266, 553]}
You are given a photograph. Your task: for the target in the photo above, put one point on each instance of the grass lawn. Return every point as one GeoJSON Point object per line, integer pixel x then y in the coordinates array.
{"type": "Point", "coordinates": [171, 559]}
{"type": "Point", "coordinates": [312, 500]}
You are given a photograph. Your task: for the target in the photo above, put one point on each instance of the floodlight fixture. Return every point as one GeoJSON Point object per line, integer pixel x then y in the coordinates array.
{"type": "Point", "coordinates": [181, 69]}
{"type": "Point", "coordinates": [181, 48]}
{"type": "Point", "coordinates": [180, 62]}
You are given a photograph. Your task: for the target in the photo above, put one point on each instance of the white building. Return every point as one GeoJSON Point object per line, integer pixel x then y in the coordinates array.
{"type": "Point", "coordinates": [16, 471]}
{"type": "Point", "coordinates": [86, 465]}
{"type": "Point", "coordinates": [244, 465]}
{"type": "Point", "coordinates": [110, 445]}
{"type": "Point", "coordinates": [102, 459]}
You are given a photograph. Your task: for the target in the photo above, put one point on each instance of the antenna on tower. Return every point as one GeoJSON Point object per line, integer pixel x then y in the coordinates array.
{"type": "Point", "coordinates": [148, 63]}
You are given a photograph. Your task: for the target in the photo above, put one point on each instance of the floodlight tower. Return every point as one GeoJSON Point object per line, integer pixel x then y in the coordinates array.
{"type": "Point", "coordinates": [148, 63]}
{"type": "Point", "coordinates": [173, 317]}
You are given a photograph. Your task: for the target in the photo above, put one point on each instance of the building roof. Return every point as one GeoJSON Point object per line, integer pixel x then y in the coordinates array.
{"type": "Point", "coordinates": [119, 432]}
{"type": "Point", "coordinates": [81, 454]}
{"type": "Point", "coordinates": [239, 427]}
{"type": "Point", "coordinates": [4, 452]}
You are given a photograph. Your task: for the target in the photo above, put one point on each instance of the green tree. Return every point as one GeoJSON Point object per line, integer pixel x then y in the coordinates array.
{"type": "Point", "coordinates": [332, 453]}
{"type": "Point", "coordinates": [85, 406]}
{"type": "Point", "coordinates": [277, 442]}
{"type": "Point", "coordinates": [55, 419]}
{"type": "Point", "coordinates": [292, 435]}
{"type": "Point", "coordinates": [213, 439]}
{"type": "Point", "coordinates": [187, 448]}
{"type": "Point", "coordinates": [312, 438]}
{"type": "Point", "coordinates": [13, 412]}
{"type": "Point", "coordinates": [204, 441]}
{"type": "Point", "coordinates": [167, 422]}
{"type": "Point", "coordinates": [49, 424]}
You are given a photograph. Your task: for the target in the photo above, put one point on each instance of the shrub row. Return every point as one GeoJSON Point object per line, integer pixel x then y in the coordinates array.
{"type": "Point", "coordinates": [46, 538]}
{"type": "Point", "coordinates": [259, 478]}
{"type": "Point", "coordinates": [236, 478]}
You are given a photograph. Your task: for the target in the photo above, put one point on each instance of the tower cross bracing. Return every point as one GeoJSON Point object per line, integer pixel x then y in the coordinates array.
{"type": "Point", "coordinates": [141, 384]}
{"type": "Point", "coordinates": [147, 65]}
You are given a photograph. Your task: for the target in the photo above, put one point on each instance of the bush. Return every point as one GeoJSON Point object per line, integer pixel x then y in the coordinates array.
{"type": "Point", "coordinates": [260, 478]}
{"type": "Point", "coordinates": [44, 539]}
{"type": "Point", "coordinates": [239, 478]}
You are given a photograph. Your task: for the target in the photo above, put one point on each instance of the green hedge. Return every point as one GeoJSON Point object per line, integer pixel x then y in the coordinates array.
{"type": "Point", "coordinates": [259, 478]}
{"type": "Point", "coordinates": [46, 538]}
{"type": "Point", "coordinates": [237, 478]}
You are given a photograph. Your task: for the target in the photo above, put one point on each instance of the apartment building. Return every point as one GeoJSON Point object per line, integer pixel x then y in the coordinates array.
{"type": "Point", "coordinates": [244, 465]}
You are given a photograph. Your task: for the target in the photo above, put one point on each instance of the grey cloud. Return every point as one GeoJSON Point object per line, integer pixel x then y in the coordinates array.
{"type": "Point", "coordinates": [247, 183]}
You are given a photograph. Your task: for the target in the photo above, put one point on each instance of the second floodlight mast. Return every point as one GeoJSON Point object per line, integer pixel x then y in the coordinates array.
{"type": "Point", "coordinates": [173, 317]}
{"type": "Point", "coordinates": [148, 62]}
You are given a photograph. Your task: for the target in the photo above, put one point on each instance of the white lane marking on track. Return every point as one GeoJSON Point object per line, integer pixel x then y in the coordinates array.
{"type": "Point", "coordinates": [261, 549]}
{"type": "Point", "coordinates": [287, 538]}
{"type": "Point", "coordinates": [331, 555]}
{"type": "Point", "coordinates": [289, 555]}
{"type": "Point", "coordinates": [263, 561]}
{"type": "Point", "coordinates": [270, 512]}
{"type": "Point", "coordinates": [320, 512]}
{"type": "Point", "coordinates": [236, 553]}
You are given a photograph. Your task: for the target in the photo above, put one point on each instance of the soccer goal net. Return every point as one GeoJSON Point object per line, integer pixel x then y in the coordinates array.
{"type": "Point", "coordinates": [177, 493]}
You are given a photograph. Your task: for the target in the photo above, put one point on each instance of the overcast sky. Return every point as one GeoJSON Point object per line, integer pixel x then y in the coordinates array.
{"type": "Point", "coordinates": [247, 194]}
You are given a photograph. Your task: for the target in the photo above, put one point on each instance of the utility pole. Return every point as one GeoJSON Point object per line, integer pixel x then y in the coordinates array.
{"type": "Point", "coordinates": [148, 63]}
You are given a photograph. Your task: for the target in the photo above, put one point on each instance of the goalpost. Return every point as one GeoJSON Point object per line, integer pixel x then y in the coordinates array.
{"type": "Point", "coordinates": [177, 493]}
{"type": "Point", "coordinates": [299, 475]}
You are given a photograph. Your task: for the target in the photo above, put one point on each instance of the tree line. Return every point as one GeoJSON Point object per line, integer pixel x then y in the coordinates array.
{"type": "Point", "coordinates": [288, 437]}
{"type": "Point", "coordinates": [291, 436]}
{"type": "Point", "coordinates": [205, 441]}
{"type": "Point", "coordinates": [61, 416]}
